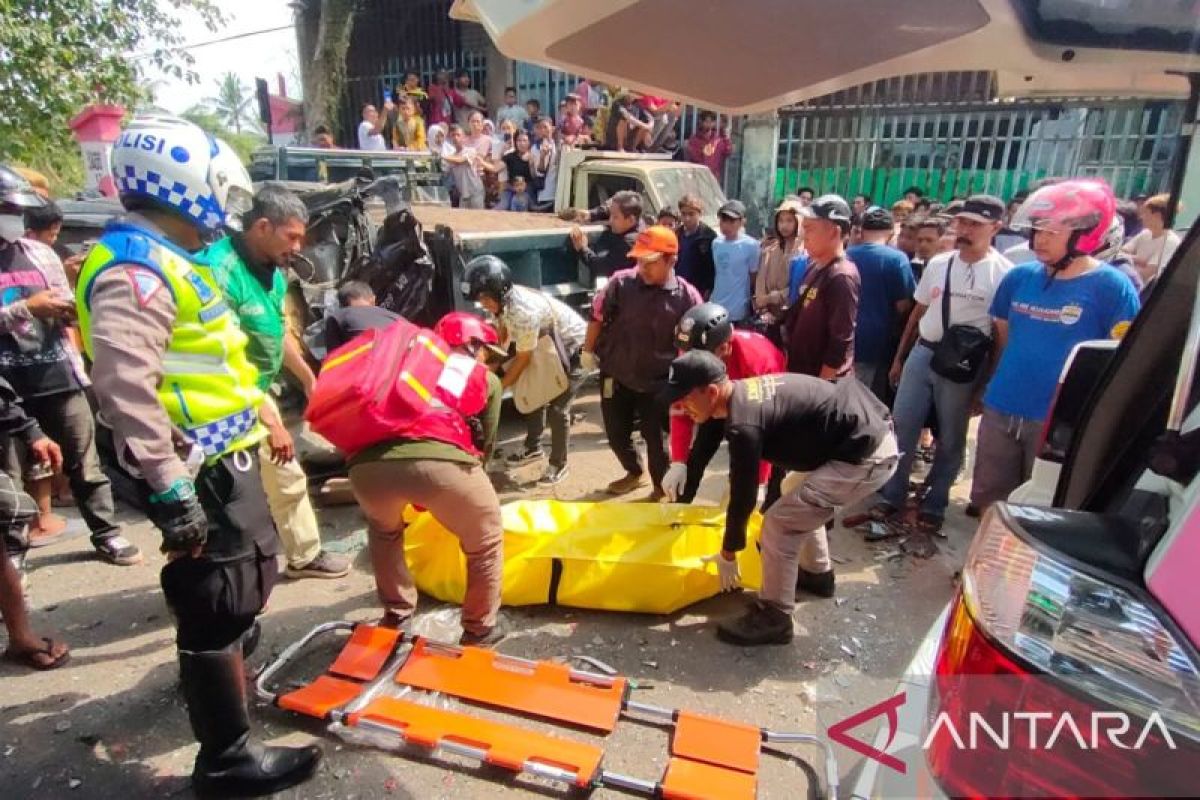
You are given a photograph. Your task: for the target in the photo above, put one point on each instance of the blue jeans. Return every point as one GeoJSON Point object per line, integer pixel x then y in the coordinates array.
{"type": "Point", "coordinates": [920, 387]}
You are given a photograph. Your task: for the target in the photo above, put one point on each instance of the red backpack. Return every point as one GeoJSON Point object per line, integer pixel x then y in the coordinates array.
{"type": "Point", "coordinates": [400, 382]}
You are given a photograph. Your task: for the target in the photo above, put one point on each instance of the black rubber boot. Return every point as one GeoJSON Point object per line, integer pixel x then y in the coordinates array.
{"type": "Point", "coordinates": [229, 763]}
{"type": "Point", "coordinates": [819, 583]}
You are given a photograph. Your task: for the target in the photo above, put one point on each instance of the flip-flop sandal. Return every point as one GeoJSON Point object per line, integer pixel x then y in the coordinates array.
{"type": "Point", "coordinates": [28, 658]}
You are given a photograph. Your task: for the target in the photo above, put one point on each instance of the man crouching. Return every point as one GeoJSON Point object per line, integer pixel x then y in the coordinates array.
{"type": "Point", "coordinates": [839, 434]}
{"type": "Point", "coordinates": [449, 481]}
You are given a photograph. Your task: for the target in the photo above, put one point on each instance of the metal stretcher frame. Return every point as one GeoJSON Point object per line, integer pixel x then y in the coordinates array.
{"type": "Point", "coordinates": [709, 757]}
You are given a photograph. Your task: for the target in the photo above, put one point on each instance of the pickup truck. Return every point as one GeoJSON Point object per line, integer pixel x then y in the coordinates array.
{"type": "Point", "coordinates": [585, 178]}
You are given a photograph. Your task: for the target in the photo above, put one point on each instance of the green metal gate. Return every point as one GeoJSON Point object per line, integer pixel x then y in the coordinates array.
{"type": "Point", "coordinates": [948, 135]}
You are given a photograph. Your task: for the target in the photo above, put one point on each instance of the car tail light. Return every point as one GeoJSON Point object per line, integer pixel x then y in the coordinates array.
{"type": "Point", "coordinates": [1035, 645]}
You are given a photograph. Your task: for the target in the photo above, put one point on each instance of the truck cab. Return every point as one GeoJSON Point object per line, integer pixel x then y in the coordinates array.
{"type": "Point", "coordinates": [588, 178]}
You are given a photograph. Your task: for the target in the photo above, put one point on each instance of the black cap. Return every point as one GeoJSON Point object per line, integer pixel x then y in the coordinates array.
{"type": "Point", "coordinates": [692, 370]}
{"type": "Point", "coordinates": [831, 207]}
{"type": "Point", "coordinates": [733, 209]}
{"type": "Point", "coordinates": [877, 218]}
{"type": "Point", "coordinates": [982, 208]}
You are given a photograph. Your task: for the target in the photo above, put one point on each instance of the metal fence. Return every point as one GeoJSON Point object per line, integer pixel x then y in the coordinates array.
{"type": "Point", "coordinates": [389, 39]}
{"type": "Point", "coordinates": [948, 136]}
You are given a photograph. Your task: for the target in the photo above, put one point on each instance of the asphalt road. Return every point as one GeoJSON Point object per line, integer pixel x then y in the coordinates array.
{"type": "Point", "coordinates": [112, 723]}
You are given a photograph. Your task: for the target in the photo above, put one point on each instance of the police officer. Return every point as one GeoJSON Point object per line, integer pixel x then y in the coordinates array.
{"type": "Point", "coordinates": [173, 382]}
{"type": "Point", "coordinates": [746, 354]}
{"type": "Point", "coordinates": [839, 434]}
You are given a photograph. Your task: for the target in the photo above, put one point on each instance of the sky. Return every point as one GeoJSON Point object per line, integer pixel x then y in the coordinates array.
{"type": "Point", "coordinates": [256, 56]}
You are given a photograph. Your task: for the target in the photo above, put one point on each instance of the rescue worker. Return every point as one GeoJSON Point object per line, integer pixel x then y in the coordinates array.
{"type": "Point", "coordinates": [248, 266]}
{"type": "Point", "coordinates": [173, 382]}
{"type": "Point", "coordinates": [469, 335]}
{"type": "Point", "coordinates": [746, 354]}
{"type": "Point", "coordinates": [430, 469]}
{"type": "Point", "coordinates": [839, 434]}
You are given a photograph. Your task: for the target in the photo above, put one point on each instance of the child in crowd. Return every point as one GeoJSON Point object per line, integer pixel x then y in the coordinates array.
{"type": "Point", "coordinates": [571, 125]}
{"type": "Point", "coordinates": [518, 194]}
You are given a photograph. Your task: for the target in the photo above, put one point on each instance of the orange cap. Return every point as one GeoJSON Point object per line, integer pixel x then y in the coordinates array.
{"type": "Point", "coordinates": [655, 240]}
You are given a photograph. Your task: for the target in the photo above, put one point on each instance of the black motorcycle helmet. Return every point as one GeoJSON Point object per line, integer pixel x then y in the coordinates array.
{"type": "Point", "coordinates": [705, 327]}
{"type": "Point", "coordinates": [17, 192]}
{"type": "Point", "coordinates": [831, 207]}
{"type": "Point", "coordinates": [877, 218]}
{"type": "Point", "coordinates": [486, 275]}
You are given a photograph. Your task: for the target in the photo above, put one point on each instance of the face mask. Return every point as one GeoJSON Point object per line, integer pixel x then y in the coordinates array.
{"type": "Point", "coordinates": [12, 227]}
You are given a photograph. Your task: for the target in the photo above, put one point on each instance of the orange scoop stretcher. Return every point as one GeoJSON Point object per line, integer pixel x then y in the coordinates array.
{"type": "Point", "coordinates": [374, 685]}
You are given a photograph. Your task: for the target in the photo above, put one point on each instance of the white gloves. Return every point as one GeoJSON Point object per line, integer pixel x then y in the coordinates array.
{"type": "Point", "coordinates": [675, 480]}
{"type": "Point", "coordinates": [727, 571]}
{"type": "Point", "coordinates": [588, 361]}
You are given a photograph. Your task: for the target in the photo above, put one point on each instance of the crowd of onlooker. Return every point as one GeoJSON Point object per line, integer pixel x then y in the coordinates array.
{"type": "Point", "coordinates": [507, 158]}
{"type": "Point", "coordinates": [861, 289]}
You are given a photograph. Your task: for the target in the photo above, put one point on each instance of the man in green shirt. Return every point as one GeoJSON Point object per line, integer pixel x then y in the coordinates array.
{"type": "Point", "coordinates": [248, 268]}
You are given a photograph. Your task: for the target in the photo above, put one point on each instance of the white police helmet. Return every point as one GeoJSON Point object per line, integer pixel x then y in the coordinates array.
{"type": "Point", "coordinates": [173, 162]}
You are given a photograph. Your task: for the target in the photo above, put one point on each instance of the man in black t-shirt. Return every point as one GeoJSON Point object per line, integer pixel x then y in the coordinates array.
{"type": "Point", "coordinates": [358, 313]}
{"type": "Point", "coordinates": [838, 434]}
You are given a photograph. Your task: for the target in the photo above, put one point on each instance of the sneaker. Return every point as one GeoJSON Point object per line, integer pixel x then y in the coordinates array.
{"type": "Point", "coordinates": [761, 624]}
{"type": "Point", "coordinates": [525, 457]}
{"type": "Point", "coordinates": [118, 550]}
{"type": "Point", "coordinates": [488, 639]}
{"type": "Point", "coordinates": [819, 583]}
{"type": "Point", "coordinates": [629, 483]}
{"type": "Point", "coordinates": [325, 565]}
{"type": "Point", "coordinates": [553, 475]}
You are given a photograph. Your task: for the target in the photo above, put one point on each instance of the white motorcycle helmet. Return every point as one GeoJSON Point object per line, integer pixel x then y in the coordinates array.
{"type": "Point", "coordinates": [174, 163]}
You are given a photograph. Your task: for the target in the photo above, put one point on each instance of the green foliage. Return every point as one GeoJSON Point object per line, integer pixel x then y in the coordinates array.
{"type": "Point", "coordinates": [58, 56]}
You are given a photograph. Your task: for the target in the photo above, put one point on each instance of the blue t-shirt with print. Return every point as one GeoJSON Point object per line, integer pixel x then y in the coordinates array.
{"type": "Point", "coordinates": [734, 262]}
{"type": "Point", "coordinates": [887, 279]}
{"type": "Point", "coordinates": [1046, 319]}
{"type": "Point", "coordinates": [796, 272]}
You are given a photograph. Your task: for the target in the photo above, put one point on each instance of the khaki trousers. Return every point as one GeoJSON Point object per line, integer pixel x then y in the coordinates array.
{"type": "Point", "coordinates": [462, 499]}
{"type": "Point", "coordinates": [793, 530]}
{"type": "Point", "coordinates": [287, 496]}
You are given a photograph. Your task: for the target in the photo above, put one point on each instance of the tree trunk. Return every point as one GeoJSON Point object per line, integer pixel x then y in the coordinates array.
{"type": "Point", "coordinates": [323, 37]}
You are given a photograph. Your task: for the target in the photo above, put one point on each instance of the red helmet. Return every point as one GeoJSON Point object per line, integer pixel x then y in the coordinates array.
{"type": "Point", "coordinates": [459, 328]}
{"type": "Point", "coordinates": [1085, 205]}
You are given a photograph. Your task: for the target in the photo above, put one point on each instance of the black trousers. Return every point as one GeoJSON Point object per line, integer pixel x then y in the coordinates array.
{"type": "Point", "coordinates": [624, 409]}
{"type": "Point", "coordinates": [215, 598]}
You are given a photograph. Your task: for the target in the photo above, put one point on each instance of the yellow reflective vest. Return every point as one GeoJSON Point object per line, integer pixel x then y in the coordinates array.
{"type": "Point", "coordinates": [208, 386]}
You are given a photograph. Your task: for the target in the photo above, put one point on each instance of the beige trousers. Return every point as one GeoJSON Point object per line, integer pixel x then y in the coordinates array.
{"type": "Point", "coordinates": [793, 530]}
{"type": "Point", "coordinates": [462, 499]}
{"type": "Point", "coordinates": [287, 496]}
